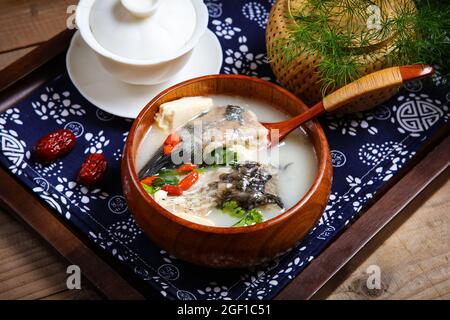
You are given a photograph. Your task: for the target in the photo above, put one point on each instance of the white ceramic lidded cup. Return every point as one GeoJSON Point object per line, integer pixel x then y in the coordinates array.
{"type": "Point", "coordinates": [142, 42]}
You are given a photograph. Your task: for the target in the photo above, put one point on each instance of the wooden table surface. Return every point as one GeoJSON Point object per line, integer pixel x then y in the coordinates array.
{"type": "Point", "coordinates": [414, 258]}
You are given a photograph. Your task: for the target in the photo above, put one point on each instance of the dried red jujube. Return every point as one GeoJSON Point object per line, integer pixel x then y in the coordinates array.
{"type": "Point", "coordinates": [54, 145]}
{"type": "Point", "coordinates": [92, 170]}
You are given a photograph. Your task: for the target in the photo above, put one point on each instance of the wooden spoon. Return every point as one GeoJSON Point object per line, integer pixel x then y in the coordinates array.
{"type": "Point", "coordinates": [369, 84]}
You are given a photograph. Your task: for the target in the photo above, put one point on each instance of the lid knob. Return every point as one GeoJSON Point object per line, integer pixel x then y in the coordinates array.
{"type": "Point", "coordinates": [141, 8]}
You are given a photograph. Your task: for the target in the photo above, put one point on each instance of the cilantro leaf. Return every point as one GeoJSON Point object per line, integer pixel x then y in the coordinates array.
{"type": "Point", "coordinates": [232, 208]}
{"type": "Point", "coordinates": [252, 217]}
{"type": "Point", "coordinates": [221, 157]}
{"type": "Point", "coordinates": [167, 172]}
{"type": "Point", "coordinates": [164, 181]}
{"type": "Point", "coordinates": [149, 189]}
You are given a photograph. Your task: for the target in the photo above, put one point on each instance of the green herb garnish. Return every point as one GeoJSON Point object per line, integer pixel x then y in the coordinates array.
{"type": "Point", "coordinates": [174, 172]}
{"type": "Point", "coordinates": [151, 190]}
{"type": "Point", "coordinates": [164, 181]}
{"type": "Point", "coordinates": [221, 157]}
{"type": "Point", "coordinates": [248, 218]}
{"type": "Point", "coordinates": [336, 33]}
{"type": "Point", "coordinates": [252, 217]}
{"type": "Point", "coordinates": [232, 208]}
{"type": "Point", "coordinates": [167, 172]}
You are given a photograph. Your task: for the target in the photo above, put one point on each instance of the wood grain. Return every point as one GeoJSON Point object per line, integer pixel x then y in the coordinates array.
{"type": "Point", "coordinates": [68, 244]}
{"type": "Point", "coordinates": [415, 259]}
{"type": "Point", "coordinates": [29, 269]}
{"type": "Point", "coordinates": [50, 228]}
{"type": "Point", "coordinates": [406, 186]}
{"type": "Point", "coordinates": [35, 59]}
{"type": "Point", "coordinates": [11, 56]}
{"type": "Point", "coordinates": [27, 23]}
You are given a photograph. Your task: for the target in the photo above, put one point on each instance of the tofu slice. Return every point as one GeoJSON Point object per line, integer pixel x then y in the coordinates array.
{"type": "Point", "coordinates": [175, 113]}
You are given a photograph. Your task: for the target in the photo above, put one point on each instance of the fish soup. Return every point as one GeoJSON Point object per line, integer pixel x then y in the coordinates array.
{"type": "Point", "coordinates": [208, 160]}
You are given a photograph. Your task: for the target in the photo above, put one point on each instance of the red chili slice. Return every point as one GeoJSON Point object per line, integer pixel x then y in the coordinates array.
{"type": "Point", "coordinates": [168, 149]}
{"type": "Point", "coordinates": [171, 142]}
{"type": "Point", "coordinates": [148, 180]}
{"type": "Point", "coordinates": [185, 168]}
{"type": "Point", "coordinates": [173, 139]}
{"type": "Point", "coordinates": [173, 190]}
{"type": "Point", "coordinates": [189, 180]}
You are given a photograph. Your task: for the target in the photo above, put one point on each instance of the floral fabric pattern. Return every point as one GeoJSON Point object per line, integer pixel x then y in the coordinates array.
{"type": "Point", "coordinates": [367, 149]}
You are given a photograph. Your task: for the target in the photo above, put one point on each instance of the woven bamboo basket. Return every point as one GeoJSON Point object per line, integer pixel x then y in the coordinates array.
{"type": "Point", "coordinates": [301, 74]}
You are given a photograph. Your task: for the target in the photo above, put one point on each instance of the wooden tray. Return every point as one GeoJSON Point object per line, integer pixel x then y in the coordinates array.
{"type": "Point", "coordinates": [21, 78]}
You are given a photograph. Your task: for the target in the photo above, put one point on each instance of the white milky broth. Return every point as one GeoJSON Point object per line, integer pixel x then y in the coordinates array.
{"type": "Point", "coordinates": [295, 159]}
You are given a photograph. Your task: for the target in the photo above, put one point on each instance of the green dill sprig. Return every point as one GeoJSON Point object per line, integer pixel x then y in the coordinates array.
{"type": "Point", "coordinates": [329, 31]}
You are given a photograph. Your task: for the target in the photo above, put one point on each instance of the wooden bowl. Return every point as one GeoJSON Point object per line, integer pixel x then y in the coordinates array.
{"type": "Point", "coordinates": [226, 247]}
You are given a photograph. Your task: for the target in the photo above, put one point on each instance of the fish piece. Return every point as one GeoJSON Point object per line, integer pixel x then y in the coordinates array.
{"type": "Point", "coordinates": [248, 186]}
{"type": "Point", "coordinates": [231, 127]}
{"type": "Point", "coordinates": [199, 199]}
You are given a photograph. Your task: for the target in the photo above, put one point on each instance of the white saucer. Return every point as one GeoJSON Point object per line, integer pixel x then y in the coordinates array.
{"type": "Point", "coordinates": [125, 100]}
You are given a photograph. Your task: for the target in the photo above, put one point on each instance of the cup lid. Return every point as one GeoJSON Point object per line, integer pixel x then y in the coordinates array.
{"type": "Point", "coordinates": [142, 29]}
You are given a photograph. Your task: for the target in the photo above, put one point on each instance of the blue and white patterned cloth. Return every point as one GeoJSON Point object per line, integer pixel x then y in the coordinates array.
{"type": "Point", "coordinates": [368, 149]}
